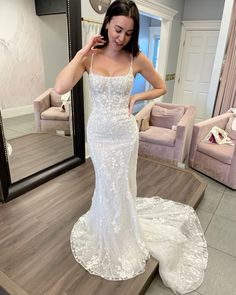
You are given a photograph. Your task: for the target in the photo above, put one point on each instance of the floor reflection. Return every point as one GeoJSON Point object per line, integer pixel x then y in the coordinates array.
{"type": "Point", "coordinates": [18, 126]}
{"type": "Point", "coordinates": [31, 151]}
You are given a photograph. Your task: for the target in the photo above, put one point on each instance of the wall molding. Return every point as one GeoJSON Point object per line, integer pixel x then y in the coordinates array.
{"type": "Point", "coordinates": [18, 111]}
{"type": "Point", "coordinates": [151, 7]}
{"type": "Point", "coordinates": [204, 25]}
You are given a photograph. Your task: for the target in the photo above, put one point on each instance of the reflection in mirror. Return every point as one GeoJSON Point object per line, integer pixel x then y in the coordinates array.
{"type": "Point", "coordinates": [37, 122]}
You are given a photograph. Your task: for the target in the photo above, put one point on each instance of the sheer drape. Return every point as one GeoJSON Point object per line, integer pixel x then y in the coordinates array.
{"type": "Point", "coordinates": [226, 97]}
{"type": "Point", "coordinates": [89, 29]}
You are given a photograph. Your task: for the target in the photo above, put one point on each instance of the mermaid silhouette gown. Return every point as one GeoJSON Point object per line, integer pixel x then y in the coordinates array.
{"type": "Point", "coordinates": [118, 234]}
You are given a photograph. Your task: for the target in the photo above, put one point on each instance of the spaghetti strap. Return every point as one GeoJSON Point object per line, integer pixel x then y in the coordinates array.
{"type": "Point", "coordinates": [91, 63]}
{"type": "Point", "coordinates": [131, 63]}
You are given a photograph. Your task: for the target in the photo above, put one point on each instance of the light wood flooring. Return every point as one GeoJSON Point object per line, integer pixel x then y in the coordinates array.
{"type": "Point", "coordinates": [35, 257]}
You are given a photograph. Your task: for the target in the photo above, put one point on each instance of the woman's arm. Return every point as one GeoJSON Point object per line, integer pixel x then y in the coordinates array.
{"type": "Point", "coordinates": [144, 66]}
{"type": "Point", "coordinates": [73, 71]}
{"type": "Point", "coordinates": [70, 74]}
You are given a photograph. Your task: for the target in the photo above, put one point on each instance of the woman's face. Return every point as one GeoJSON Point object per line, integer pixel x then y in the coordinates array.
{"type": "Point", "coordinates": [120, 30]}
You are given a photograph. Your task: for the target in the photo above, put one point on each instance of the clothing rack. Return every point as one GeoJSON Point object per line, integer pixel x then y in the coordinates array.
{"type": "Point", "coordinates": [90, 21]}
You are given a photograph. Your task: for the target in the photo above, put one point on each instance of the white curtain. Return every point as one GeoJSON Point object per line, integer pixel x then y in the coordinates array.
{"type": "Point", "coordinates": [89, 29]}
{"type": "Point", "coordinates": [226, 97]}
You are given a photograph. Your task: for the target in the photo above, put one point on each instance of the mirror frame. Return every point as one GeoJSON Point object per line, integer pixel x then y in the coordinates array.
{"type": "Point", "coordinates": [9, 190]}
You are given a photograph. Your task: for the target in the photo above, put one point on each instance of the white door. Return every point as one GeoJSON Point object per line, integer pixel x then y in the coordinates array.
{"type": "Point", "coordinates": [192, 83]}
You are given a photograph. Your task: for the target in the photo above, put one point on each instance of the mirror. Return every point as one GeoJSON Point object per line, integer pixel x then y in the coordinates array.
{"type": "Point", "coordinates": [42, 134]}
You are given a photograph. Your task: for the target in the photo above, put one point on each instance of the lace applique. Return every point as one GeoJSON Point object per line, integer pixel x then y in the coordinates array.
{"type": "Point", "coordinates": [120, 232]}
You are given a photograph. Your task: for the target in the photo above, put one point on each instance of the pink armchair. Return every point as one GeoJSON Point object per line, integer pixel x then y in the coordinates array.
{"type": "Point", "coordinates": [214, 160]}
{"type": "Point", "coordinates": [169, 133]}
{"type": "Point", "coordinates": [48, 117]}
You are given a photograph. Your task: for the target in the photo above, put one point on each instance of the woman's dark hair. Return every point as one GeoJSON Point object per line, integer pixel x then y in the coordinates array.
{"type": "Point", "coordinates": [125, 8]}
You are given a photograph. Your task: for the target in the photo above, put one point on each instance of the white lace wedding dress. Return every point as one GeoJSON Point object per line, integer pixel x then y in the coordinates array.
{"type": "Point", "coordinates": [120, 231]}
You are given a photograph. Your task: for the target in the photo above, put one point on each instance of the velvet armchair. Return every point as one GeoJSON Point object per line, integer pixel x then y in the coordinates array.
{"type": "Point", "coordinates": [48, 114]}
{"type": "Point", "coordinates": [217, 161]}
{"type": "Point", "coordinates": [169, 132]}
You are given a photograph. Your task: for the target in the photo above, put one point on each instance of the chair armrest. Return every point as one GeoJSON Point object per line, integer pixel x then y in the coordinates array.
{"type": "Point", "coordinates": [145, 112]}
{"type": "Point", "coordinates": [188, 117]}
{"type": "Point", "coordinates": [184, 133]}
{"type": "Point", "coordinates": [41, 103]}
{"type": "Point", "coordinates": [201, 129]}
{"type": "Point", "coordinates": [233, 163]}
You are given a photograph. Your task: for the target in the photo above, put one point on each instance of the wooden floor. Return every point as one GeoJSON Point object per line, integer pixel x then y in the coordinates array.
{"type": "Point", "coordinates": [36, 151]}
{"type": "Point", "coordinates": [35, 255]}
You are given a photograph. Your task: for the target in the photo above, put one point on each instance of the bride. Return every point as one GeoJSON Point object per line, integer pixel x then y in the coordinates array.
{"type": "Point", "coordinates": [118, 234]}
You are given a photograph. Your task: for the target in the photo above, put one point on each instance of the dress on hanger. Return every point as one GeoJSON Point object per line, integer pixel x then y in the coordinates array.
{"type": "Point", "coordinates": [118, 234]}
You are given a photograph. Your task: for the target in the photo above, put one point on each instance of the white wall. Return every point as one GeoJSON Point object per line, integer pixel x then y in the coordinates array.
{"type": "Point", "coordinates": [145, 22]}
{"type": "Point", "coordinates": [88, 12]}
{"type": "Point", "coordinates": [21, 75]}
{"type": "Point", "coordinates": [174, 43]}
{"type": "Point", "coordinates": [203, 9]}
{"type": "Point", "coordinates": [54, 37]}
{"type": "Point", "coordinates": [33, 49]}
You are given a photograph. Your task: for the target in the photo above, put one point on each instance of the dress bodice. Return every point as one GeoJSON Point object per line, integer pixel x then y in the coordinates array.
{"type": "Point", "coordinates": [110, 93]}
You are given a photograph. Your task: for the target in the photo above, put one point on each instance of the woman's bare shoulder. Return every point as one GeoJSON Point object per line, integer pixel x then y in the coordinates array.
{"type": "Point", "coordinates": [140, 61]}
{"type": "Point", "coordinates": [88, 60]}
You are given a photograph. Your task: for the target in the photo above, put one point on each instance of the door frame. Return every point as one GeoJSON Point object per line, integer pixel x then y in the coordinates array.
{"type": "Point", "coordinates": [166, 14]}
{"type": "Point", "coordinates": [153, 31]}
{"type": "Point", "coordinates": [208, 25]}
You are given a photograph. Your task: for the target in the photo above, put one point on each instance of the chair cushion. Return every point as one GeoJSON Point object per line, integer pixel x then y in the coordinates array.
{"type": "Point", "coordinates": [166, 118]}
{"type": "Point", "coordinates": [220, 152]}
{"type": "Point", "coordinates": [54, 113]}
{"type": "Point", "coordinates": [158, 135]}
{"type": "Point", "coordinates": [231, 132]}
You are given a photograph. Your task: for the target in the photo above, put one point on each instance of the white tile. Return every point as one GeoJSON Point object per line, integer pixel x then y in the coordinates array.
{"type": "Point", "coordinates": [230, 192]}
{"type": "Point", "coordinates": [227, 206]}
{"type": "Point", "coordinates": [221, 235]}
{"type": "Point", "coordinates": [220, 276]}
{"type": "Point", "coordinates": [204, 218]}
{"type": "Point", "coordinates": [211, 200]}
{"type": "Point", "coordinates": [158, 288]}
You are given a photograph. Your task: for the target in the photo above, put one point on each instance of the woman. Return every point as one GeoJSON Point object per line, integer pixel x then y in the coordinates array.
{"type": "Point", "coordinates": [120, 232]}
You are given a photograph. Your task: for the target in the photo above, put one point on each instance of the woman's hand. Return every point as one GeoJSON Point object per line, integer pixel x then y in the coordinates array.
{"type": "Point", "coordinates": [73, 72]}
{"type": "Point", "coordinates": [90, 47]}
{"type": "Point", "coordinates": [132, 101]}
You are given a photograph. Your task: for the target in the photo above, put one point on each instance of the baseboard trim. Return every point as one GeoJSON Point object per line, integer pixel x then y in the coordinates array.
{"type": "Point", "coordinates": [19, 111]}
